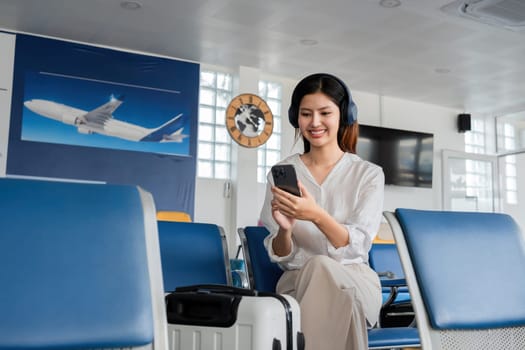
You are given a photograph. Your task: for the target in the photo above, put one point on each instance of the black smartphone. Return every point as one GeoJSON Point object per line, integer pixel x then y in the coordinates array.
{"type": "Point", "coordinates": [285, 178]}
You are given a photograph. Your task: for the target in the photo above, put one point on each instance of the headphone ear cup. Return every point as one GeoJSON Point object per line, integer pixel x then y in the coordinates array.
{"type": "Point", "coordinates": [352, 112]}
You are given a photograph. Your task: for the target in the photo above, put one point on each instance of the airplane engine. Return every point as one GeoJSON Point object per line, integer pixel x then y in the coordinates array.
{"type": "Point", "coordinates": [84, 130]}
{"type": "Point", "coordinates": [68, 118]}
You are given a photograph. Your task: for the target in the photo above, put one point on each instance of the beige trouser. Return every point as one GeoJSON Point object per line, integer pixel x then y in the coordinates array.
{"type": "Point", "coordinates": [338, 302]}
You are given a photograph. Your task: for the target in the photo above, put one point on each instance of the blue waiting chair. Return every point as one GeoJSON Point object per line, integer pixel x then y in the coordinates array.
{"type": "Point", "coordinates": [193, 253]}
{"type": "Point", "coordinates": [264, 274]}
{"type": "Point", "coordinates": [465, 275]}
{"type": "Point", "coordinates": [397, 308]}
{"type": "Point", "coordinates": [79, 267]}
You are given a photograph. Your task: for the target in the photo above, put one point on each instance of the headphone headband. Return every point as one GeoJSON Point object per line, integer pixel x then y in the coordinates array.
{"type": "Point", "coordinates": [351, 108]}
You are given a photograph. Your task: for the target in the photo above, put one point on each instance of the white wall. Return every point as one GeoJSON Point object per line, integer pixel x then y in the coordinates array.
{"type": "Point", "coordinates": [7, 55]}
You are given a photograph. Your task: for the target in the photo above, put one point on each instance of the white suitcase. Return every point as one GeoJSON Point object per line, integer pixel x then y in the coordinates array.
{"type": "Point", "coordinates": [229, 318]}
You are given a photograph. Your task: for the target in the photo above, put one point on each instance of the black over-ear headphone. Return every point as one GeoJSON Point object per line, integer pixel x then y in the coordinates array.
{"type": "Point", "coordinates": [351, 116]}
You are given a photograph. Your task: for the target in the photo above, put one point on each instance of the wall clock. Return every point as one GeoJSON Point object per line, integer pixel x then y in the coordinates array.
{"type": "Point", "coordinates": [249, 120]}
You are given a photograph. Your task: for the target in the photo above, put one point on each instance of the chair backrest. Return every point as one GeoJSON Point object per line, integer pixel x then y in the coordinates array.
{"type": "Point", "coordinates": [383, 257]}
{"type": "Point", "coordinates": [263, 274]}
{"type": "Point", "coordinates": [166, 215]}
{"type": "Point", "coordinates": [80, 266]}
{"type": "Point", "coordinates": [464, 271]}
{"type": "Point", "coordinates": [193, 253]}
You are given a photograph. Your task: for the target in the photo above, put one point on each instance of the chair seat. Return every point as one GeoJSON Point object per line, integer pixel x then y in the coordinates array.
{"type": "Point", "coordinates": [386, 338]}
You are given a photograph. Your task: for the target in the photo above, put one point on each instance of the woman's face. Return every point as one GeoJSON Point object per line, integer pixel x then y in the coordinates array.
{"type": "Point", "coordinates": [319, 119]}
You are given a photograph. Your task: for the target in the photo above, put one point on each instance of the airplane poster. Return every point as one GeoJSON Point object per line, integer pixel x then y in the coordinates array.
{"type": "Point", "coordinates": [73, 110]}
{"type": "Point", "coordinates": [92, 113]}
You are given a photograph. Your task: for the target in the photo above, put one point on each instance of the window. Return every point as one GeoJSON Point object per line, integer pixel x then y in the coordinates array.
{"type": "Point", "coordinates": [214, 145]}
{"type": "Point", "coordinates": [507, 142]}
{"type": "Point", "coordinates": [478, 174]}
{"type": "Point", "coordinates": [270, 153]}
{"type": "Point", "coordinates": [511, 182]}
{"type": "Point", "coordinates": [475, 138]}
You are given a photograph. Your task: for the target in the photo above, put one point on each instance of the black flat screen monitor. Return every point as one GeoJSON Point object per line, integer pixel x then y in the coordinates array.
{"type": "Point", "coordinates": [405, 156]}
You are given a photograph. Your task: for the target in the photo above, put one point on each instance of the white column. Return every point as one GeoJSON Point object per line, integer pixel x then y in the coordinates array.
{"type": "Point", "coordinates": [7, 56]}
{"type": "Point", "coordinates": [245, 210]}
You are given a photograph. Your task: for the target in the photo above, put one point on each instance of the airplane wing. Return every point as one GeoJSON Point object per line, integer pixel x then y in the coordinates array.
{"type": "Point", "coordinates": [164, 132]}
{"type": "Point", "coordinates": [98, 117]}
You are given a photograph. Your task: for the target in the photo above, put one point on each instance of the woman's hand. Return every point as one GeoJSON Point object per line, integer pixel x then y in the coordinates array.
{"type": "Point", "coordinates": [286, 207]}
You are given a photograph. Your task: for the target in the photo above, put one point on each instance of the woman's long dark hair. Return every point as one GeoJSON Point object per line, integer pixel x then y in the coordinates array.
{"type": "Point", "coordinates": [330, 86]}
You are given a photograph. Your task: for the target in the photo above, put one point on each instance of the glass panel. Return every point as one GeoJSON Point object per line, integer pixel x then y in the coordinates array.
{"type": "Point", "coordinates": [274, 90]}
{"type": "Point", "coordinates": [512, 185]}
{"type": "Point", "coordinates": [220, 116]}
{"type": "Point", "coordinates": [510, 169]}
{"type": "Point", "coordinates": [207, 79]}
{"type": "Point", "coordinates": [207, 97]}
{"type": "Point", "coordinates": [511, 132]}
{"type": "Point", "coordinates": [206, 115]}
{"type": "Point", "coordinates": [222, 171]}
{"type": "Point", "coordinates": [223, 99]}
{"type": "Point", "coordinates": [222, 135]}
{"type": "Point", "coordinates": [275, 106]}
{"type": "Point", "coordinates": [270, 151]}
{"type": "Point", "coordinates": [215, 94]}
{"type": "Point", "coordinates": [205, 150]}
{"type": "Point", "coordinates": [224, 81]}
{"type": "Point", "coordinates": [277, 125]}
{"type": "Point", "coordinates": [512, 197]}
{"type": "Point", "coordinates": [274, 142]}
{"type": "Point", "coordinates": [471, 184]}
{"type": "Point", "coordinates": [262, 88]}
{"type": "Point", "coordinates": [204, 169]}
{"type": "Point", "coordinates": [222, 152]}
{"type": "Point", "coordinates": [205, 132]}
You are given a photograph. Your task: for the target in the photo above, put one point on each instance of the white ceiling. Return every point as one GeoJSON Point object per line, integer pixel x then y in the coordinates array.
{"type": "Point", "coordinates": [389, 51]}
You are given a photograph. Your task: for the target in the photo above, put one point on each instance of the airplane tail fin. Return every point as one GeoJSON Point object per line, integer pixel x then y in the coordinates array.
{"type": "Point", "coordinates": [171, 131]}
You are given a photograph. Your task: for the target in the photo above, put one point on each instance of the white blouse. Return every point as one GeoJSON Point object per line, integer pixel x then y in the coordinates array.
{"type": "Point", "coordinates": [352, 194]}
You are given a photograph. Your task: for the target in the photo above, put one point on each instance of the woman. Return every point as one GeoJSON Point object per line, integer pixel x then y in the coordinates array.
{"type": "Point", "coordinates": [322, 238]}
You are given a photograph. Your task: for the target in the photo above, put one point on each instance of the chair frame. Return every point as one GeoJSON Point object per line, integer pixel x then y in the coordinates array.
{"type": "Point", "coordinates": [410, 277]}
{"type": "Point", "coordinates": [247, 258]}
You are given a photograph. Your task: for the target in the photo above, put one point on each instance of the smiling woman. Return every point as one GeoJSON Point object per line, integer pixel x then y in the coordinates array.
{"type": "Point", "coordinates": [321, 238]}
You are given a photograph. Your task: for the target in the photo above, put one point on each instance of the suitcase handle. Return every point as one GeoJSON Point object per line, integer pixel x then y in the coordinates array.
{"type": "Point", "coordinates": [217, 288]}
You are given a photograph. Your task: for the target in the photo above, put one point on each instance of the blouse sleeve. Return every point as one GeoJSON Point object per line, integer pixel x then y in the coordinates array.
{"type": "Point", "coordinates": [364, 223]}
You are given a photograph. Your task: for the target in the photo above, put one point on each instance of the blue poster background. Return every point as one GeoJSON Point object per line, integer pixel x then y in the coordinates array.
{"type": "Point", "coordinates": [154, 89]}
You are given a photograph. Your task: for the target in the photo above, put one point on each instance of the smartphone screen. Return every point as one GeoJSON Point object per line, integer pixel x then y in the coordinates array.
{"type": "Point", "coordinates": [285, 178]}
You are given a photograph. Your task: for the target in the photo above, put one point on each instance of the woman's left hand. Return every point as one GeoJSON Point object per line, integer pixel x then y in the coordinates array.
{"type": "Point", "coordinates": [302, 208]}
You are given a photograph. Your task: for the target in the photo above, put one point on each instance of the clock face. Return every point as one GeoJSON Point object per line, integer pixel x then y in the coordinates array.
{"type": "Point", "coordinates": [249, 120]}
